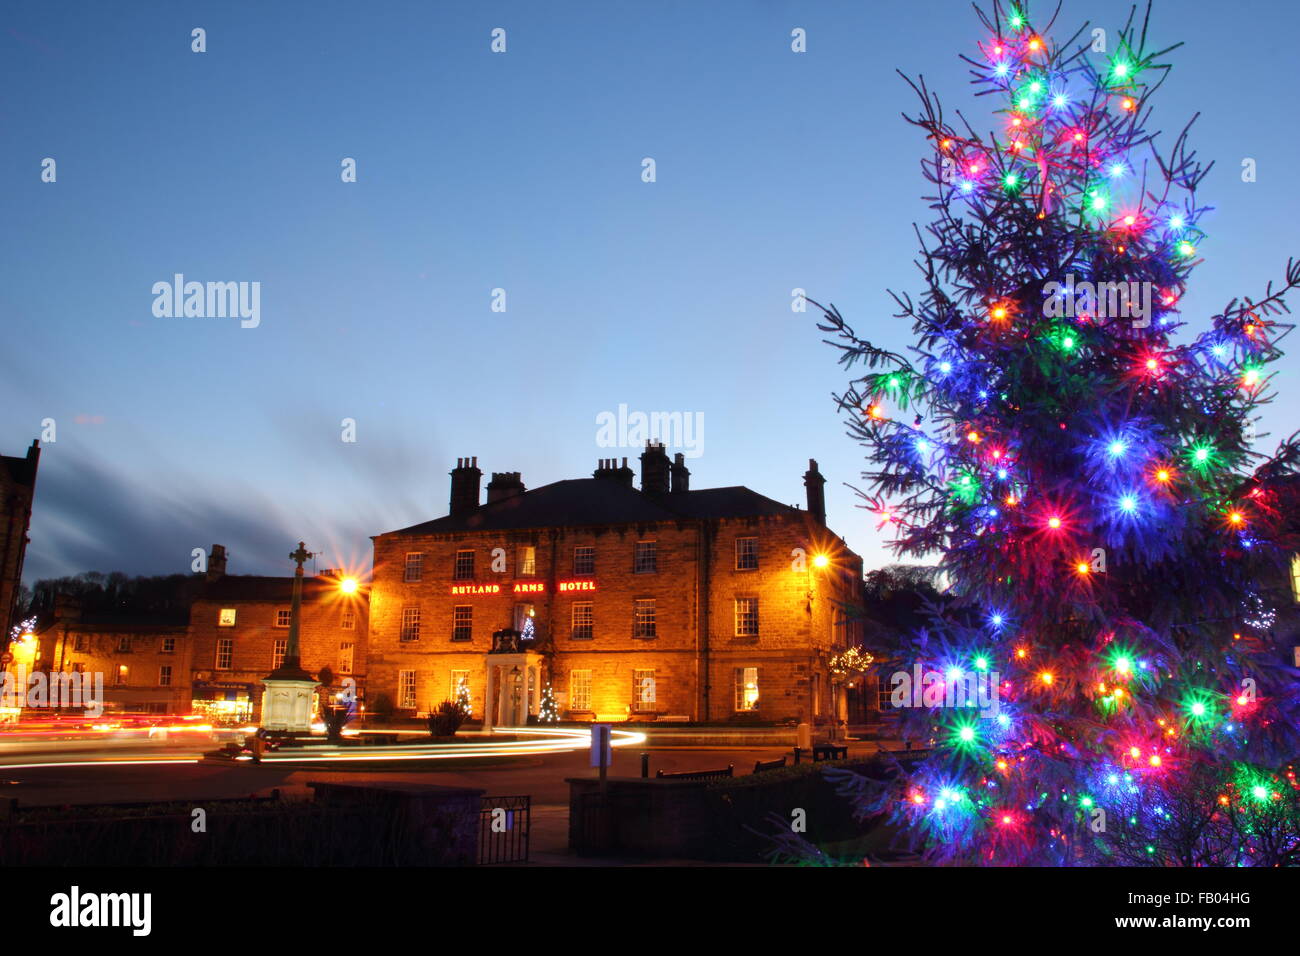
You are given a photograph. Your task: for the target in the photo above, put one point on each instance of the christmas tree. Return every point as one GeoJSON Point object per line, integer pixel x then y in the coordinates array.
{"type": "Point", "coordinates": [1103, 689]}
{"type": "Point", "coordinates": [463, 699]}
{"type": "Point", "coordinates": [548, 713]}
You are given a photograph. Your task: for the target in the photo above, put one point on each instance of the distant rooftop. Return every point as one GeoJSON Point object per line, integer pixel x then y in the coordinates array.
{"type": "Point", "coordinates": [597, 501]}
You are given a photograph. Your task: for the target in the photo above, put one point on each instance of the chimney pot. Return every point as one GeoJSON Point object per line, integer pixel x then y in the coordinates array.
{"type": "Point", "coordinates": [655, 469]}
{"type": "Point", "coordinates": [814, 483]}
{"type": "Point", "coordinates": [465, 479]}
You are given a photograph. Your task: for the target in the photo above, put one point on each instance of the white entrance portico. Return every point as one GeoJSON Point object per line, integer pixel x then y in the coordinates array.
{"type": "Point", "coordinates": [514, 683]}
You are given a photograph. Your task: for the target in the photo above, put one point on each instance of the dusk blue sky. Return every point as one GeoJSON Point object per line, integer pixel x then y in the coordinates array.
{"type": "Point", "coordinates": [521, 171]}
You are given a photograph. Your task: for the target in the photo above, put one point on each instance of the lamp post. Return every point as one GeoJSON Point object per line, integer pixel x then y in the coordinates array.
{"type": "Point", "coordinates": [286, 700]}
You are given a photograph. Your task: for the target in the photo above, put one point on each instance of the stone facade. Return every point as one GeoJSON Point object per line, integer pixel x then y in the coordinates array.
{"type": "Point", "coordinates": [435, 610]}
{"type": "Point", "coordinates": [17, 487]}
{"type": "Point", "coordinates": [239, 630]}
{"type": "Point", "coordinates": [144, 664]}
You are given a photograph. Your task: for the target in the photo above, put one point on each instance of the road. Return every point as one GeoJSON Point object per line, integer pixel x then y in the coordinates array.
{"type": "Point", "coordinates": [131, 769]}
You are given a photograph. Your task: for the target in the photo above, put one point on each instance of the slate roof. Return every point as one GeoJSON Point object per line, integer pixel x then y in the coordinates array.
{"type": "Point", "coordinates": [252, 587]}
{"type": "Point", "coordinates": [601, 501]}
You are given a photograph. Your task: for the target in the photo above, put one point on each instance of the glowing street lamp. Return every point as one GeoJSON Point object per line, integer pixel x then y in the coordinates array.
{"type": "Point", "coordinates": [348, 585]}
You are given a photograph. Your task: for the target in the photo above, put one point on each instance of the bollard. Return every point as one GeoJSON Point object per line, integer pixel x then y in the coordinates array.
{"type": "Point", "coordinates": [645, 764]}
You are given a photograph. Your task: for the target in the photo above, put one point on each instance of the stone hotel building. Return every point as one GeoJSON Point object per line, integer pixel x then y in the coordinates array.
{"type": "Point", "coordinates": [657, 602]}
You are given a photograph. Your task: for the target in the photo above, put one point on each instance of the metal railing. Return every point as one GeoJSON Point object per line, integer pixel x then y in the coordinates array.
{"type": "Point", "coordinates": [504, 824]}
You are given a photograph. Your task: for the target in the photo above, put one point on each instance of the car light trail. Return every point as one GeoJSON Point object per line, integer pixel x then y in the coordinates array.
{"type": "Point", "coordinates": [544, 740]}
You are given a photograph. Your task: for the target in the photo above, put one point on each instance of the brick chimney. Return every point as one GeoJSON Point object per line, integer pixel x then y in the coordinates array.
{"type": "Point", "coordinates": [465, 478]}
{"type": "Point", "coordinates": [654, 469]}
{"type": "Point", "coordinates": [217, 562]}
{"type": "Point", "coordinates": [504, 484]}
{"type": "Point", "coordinates": [608, 469]}
{"type": "Point", "coordinates": [680, 474]}
{"type": "Point", "coordinates": [814, 482]}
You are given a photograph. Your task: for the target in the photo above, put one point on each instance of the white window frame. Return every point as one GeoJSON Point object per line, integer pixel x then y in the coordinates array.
{"type": "Point", "coordinates": [582, 617]}
{"type": "Point", "coordinates": [747, 547]}
{"type": "Point", "coordinates": [165, 675]}
{"type": "Point", "coordinates": [747, 621]}
{"type": "Point", "coordinates": [226, 644]}
{"type": "Point", "coordinates": [284, 614]}
{"type": "Point", "coordinates": [649, 550]}
{"type": "Point", "coordinates": [645, 626]}
{"type": "Point", "coordinates": [470, 561]}
{"type": "Point", "coordinates": [742, 701]}
{"type": "Point", "coordinates": [413, 569]}
{"type": "Point", "coordinates": [410, 631]}
{"type": "Point", "coordinates": [406, 690]}
{"type": "Point", "coordinates": [465, 611]}
{"type": "Point", "coordinates": [580, 689]}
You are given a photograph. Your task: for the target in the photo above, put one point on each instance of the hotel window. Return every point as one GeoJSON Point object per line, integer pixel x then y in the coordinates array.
{"type": "Point", "coordinates": [345, 657]}
{"type": "Point", "coordinates": [746, 688]}
{"type": "Point", "coordinates": [1295, 577]}
{"type": "Point", "coordinates": [410, 624]}
{"type": "Point", "coordinates": [414, 566]}
{"type": "Point", "coordinates": [124, 643]}
{"type": "Point", "coordinates": [406, 689]}
{"type": "Point", "coordinates": [645, 558]}
{"type": "Point", "coordinates": [746, 554]}
{"type": "Point", "coordinates": [348, 621]}
{"type": "Point", "coordinates": [462, 622]}
{"type": "Point", "coordinates": [584, 560]}
{"type": "Point", "coordinates": [226, 618]}
{"type": "Point", "coordinates": [165, 675]}
{"type": "Point", "coordinates": [283, 617]}
{"type": "Point", "coordinates": [643, 618]}
{"type": "Point", "coordinates": [580, 690]}
{"type": "Point", "coordinates": [527, 561]}
{"type": "Point", "coordinates": [747, 617]}
{"type": "Point", "coordinates": [277, 653]}
{"type": "Point", "coordinates": [169, 645]}
{"type": "Point", "coordinates": [583, 621]}
{"type": "Point", "coordinates": [459, 679]}
{"type": "Point", "coordinates": [643, 690]}
{"type": "Point", "coordinates": [464, 565]}
{"type": "Point", "coordinates": [225, 653]}
{"type": "Point", "coordinates": [122, 673]}
{"type": "Point", "coordinates": [80, 643]}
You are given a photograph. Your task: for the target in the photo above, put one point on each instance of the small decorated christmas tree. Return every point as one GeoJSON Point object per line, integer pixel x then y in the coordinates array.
{"type": "Point", "coordinates": [549, 713]}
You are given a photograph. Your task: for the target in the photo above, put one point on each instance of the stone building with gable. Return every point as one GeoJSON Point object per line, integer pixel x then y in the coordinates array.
{"type": "Point", "coordinates": [658, 602]}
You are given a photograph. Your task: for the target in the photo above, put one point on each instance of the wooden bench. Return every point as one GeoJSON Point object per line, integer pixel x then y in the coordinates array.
{"type": "Point", "coordinates": [822, 752]}
{"type": "Point", "coordinates": [761, 765]}
{"type": "Point", "coordinates": [697, 774]}
{"type": "Point", "coordinates": [830, 752]}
